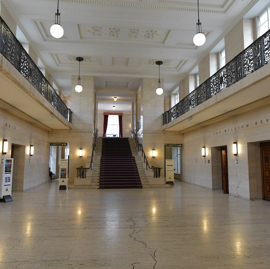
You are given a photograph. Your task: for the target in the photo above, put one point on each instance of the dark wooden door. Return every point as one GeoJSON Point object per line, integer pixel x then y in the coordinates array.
{"type": "Point", "coordinates": [265, 150]}
{"type": "Point", "coordinates": [224, 165]}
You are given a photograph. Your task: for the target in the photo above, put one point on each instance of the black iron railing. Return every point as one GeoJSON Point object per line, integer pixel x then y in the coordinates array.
{"type": "Point", "coordinates": [251, 59]}
{"type": "Point", "coordinates": [81, 171]}
{"type": "Point", "coordinates": [140, 149]}
{"type": "Point", "coordinates": [14, 52]}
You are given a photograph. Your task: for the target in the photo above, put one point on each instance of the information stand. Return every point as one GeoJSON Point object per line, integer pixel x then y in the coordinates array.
{"type": "Point", "coordinates": [6, 180]}
{"type": "Point", "coordinates": [63, 174]}
{"type": "Point", "coordinates": [169, 170]}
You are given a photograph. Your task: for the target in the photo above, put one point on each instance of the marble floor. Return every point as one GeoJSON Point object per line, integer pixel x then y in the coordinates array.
{"type": "Point", "coordinates": [182, 227]}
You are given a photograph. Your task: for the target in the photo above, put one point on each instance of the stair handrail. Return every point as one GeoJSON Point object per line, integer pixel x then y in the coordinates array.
{"type": "Point", "coordinates": [81, 171]}
{"type": "Point", "coordinates": [140, 148]}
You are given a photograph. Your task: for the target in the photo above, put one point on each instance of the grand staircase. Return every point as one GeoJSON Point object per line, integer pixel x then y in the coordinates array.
{"type": "Point", "coordinates": [118, 167]}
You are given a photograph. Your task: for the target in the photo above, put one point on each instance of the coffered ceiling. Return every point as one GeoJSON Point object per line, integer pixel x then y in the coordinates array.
{"type": "Point", "coordinates": [121, 40]}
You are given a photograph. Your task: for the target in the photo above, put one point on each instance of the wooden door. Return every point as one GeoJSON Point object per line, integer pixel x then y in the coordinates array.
{"type": "Point", "coordinates": [224, 166]}
{"type": "Point", "coordinates": [265, 150]}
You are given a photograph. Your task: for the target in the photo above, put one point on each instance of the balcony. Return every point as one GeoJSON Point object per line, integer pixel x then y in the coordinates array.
{"type": "Point", "coordinates": [24, 87]}
{"type": "Point", "coordinates": [241, 85]}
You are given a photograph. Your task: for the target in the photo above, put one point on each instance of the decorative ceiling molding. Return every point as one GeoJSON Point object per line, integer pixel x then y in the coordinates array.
{"type": "Point", "coordinates": [191, 7]}
{"type": "Point", "coordinates": [125, 44]}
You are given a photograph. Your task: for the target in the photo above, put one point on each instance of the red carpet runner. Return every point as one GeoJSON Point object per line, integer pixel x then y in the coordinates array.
{"type": "Point", "coordinates": [118, 168]}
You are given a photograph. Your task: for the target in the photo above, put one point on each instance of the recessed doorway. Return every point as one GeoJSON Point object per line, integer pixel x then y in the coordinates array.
{"type": "Point", "coordinates": [18, 155]}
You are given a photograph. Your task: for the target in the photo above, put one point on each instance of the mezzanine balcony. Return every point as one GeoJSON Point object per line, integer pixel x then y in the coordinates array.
{"type": "Point", "coordinates": [241, 85]}
{"type": "Point", "coordinates": [24, 87]}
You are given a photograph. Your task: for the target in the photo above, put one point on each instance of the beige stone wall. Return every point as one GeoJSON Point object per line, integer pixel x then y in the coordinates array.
{"type": "Point", "coordinates": [81, 134]}
{"type": "Point", "coordinates": [30, 171]}
{"type": "Point", "coordinates": [204, 69]}
{"type": "Point", "coordinates": [244, 177]}
{"type": "Point", "coordinates": [234, 41]}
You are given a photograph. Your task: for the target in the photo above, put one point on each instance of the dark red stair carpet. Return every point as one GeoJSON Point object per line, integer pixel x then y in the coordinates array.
{"type": "Point", "coordinates": [118, 168]}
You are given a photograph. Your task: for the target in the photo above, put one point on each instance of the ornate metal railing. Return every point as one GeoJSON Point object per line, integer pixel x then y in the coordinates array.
{"type": "Point", "coordinates": [14, 52]}
{"type": "Point", "coordinates": [81, 171]}
{"type": "Point", "coordinates": [251, 59]}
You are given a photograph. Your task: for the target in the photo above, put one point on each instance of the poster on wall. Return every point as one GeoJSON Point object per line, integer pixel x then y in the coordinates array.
{"type": "Point", "coordinates": [8, 166]}
{"type": "Point", "coordinates": [7, 181]}
{"type": "Point", "coordinates": [63, 173]}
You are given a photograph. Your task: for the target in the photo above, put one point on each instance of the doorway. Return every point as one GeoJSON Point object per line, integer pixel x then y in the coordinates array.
{"type": "Point", "coordinates": [58, 151]}
{"type": "Point", "coordinates": [18, 155]}
{"type": "Point", "coordinates": [173, 151]}
{"type": "Point", "coordinates": [224, 170]}
{"type": "Point", "coordinates": [265, 160]}
{"type": "Point", "coordinates": [220, 179]}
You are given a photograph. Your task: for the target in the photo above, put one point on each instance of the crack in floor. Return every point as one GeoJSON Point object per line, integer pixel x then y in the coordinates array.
{"type": "Point", "coordinates": [135, 232]}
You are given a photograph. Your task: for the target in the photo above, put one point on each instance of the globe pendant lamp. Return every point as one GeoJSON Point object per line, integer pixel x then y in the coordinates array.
{"type": "Point", "coordinates": [159, 90]}
{"type": "Point", "coordinates": [78, 87]}
{"type": "Point", "coordinates": [56, 29]}
{"type": "Point", "coordinates": [199, 39]}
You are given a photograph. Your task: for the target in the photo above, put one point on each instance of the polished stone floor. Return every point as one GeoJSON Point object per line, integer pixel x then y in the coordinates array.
{"type": "Point", "coordinates": [182, 227]}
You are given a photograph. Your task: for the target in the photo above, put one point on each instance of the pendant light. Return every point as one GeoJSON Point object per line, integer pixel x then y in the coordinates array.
{"type": "Point", "coordinates": [159, 90]}
{"type": "Point", "coordinates": [56, 29]}
{"type": "Point", "coordinates": [199, 39]}
{"type": "Point", "coordinates": [78, 87]}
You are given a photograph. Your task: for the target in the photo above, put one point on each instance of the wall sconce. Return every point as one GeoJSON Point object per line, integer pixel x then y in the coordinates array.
{"type": "Point", "coordinates": [203, 152]}
{"type": "Point", "coordinates": [31, 153]}
{"type": "Point", "coordinates": [154, 153]}
{"type": "Point", "coordinates": [235, 151]}
{"type": "Point", "coordinates": [80, 152]}
{"type": "Point", "coordinates": [5, 146]}
{"type": "Point", "coordinates": [115, 98]}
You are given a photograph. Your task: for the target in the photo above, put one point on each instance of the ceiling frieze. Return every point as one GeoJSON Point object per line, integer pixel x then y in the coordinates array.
{"type": "Point", "coordinates": [161, 6]}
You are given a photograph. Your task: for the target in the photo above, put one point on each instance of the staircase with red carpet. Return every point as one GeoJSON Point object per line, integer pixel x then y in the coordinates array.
{"type": "Point", "coordinates": [118, 168]}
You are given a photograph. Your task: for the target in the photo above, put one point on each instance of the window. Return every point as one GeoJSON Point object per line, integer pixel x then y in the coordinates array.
{"type": "Point", "coordinates": [175, 97]}
{"type": "Point", "coordinates": [263, 22]}
{"type": "Point", "coordinates": [113, 126]}
{"type": "Point", "coordinates": [222, 58]}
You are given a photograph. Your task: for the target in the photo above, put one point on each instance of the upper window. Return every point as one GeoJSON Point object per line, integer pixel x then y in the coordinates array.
{"type": "Point", "coordinates": [175, 97]}
{"type": "Point", "coordinates": [222, 58]}
{"type": "Point", "coordinates": [263, 22]}
{"type": "Point", "coordinates": [113, 126]}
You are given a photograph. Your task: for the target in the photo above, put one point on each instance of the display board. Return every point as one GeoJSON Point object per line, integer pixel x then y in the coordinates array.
{"type": "Point", "coordinates": [169, 170]}
{"type": "Point", "coordinates": [6, 180]}
{"type": "Point", "coordinates": [63, 174]}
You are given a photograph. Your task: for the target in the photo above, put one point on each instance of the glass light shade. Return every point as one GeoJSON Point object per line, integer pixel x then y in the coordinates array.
{"type": "Point", "coordinates": [57, 30]}
{"type": "Point", "coordinates": [154, 153]}
{"type": "Point", "coordinates": [5, 146]}
{"type": "Point", "coordinates": [80, 152]}
{"type": "Point", "coordinates": [78, 88]}
{"type": "Point", "coordinates": [199, 39]}
{"type": "Point", "coordinates": [203, 152]}
{"type": "Point", "coordinates": [115, 98]}
{"type": "Point", "coordinates": [235, 149]}
{"type": "Point", "coordinates": [113, 107]}
{"type": "Point", "coordinates": [31, 150]}
{"type": "Point", "coordinates": [159, 91]}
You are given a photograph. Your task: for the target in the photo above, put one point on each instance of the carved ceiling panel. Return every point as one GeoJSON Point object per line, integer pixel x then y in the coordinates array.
{"type": "Point", "coordinates": [121, 33]}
